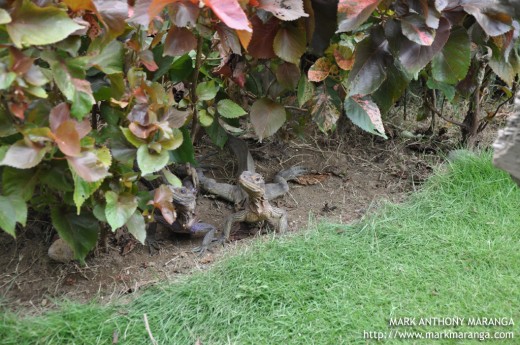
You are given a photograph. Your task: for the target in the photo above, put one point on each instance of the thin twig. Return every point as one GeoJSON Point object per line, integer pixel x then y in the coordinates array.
{"type": "Point", "coordinates": [439, 114]}
{"type": "Point", "coordinates": [147, 326]}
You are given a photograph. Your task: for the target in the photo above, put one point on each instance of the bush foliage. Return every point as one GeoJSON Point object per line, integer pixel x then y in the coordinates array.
{"type": "Point", "coordinates": [97, 95]}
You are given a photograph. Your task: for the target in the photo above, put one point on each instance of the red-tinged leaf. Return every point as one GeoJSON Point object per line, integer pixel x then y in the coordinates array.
{"type": "Point", "coordinates": [416, 30]}
{"type": "Point", "coordinates": [344, 57]}
{"type": "Point", "coordinates": [285, 10]}
{"type": "Point", "coordinates": [67, 138]}
{"type": "Point", "coordinates": [18, 109]}
{"type": "Point", "coordinates": [372, 58]}
{"type": "Point", "coordinates": [113, 14]}
{"type": "Point", "coordinates": [146, 57]}
{"type": "Point", "coordinates": [183, 13]}
{"type": "Point", "coordinates": [230, 12]}
{"type": "Point", "coordinates": [90, 165]}
{"type": "Point", "coordinates": [288, 75]}
{"type": "Point", "coordinates": [320, 70]}
{"type": "Point", "coordinates": [162, 200]}
{"type": "Point", "coordinates": [83, 128]}
{"type": "Point", "coordinates": [363, 112]}
{"type": "Point", "coordinates": [229, 39]}
{"type": "Point", "coordinates": [23, 155]}
{"type": "Point", "coordinates": [143, 132]}
{"type": "Point", "coordinates": [351, 14]}
{"type": "Point", "coordinates": [290, 43]}
{"type": "Point", "coordinates": [20, 63]}
{"type": "Point", "coordinates": [179, 41]}
{"type": "Point", "coordinates": [77, 5]}
{"type": "Point", "coordinates": [140, 114]}
{"type": "Point", "coordinates": [493, 22]}
{"type": "Point", "coordinates": [261, 44]}
{"type": "Point", "coordinates": [58, 115]}
{"type": "Point", "coordinates": [267, 117]}
{"type": "Point", "coordinates": [414, 57]}
{"type": "Point", "coordinates": [325, 110]}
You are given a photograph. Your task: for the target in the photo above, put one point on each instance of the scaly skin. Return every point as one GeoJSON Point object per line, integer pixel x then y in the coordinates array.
{"type": "Point", "coordinates": [238, 195]}
{"type": "Point", "coordinates": [257, 206]}
{"type": "Point", "coordinates": [184, 200]}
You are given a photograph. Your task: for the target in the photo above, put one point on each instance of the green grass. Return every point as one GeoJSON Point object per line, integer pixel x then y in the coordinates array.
{"type": "Point", "coordinates": [452, 250]}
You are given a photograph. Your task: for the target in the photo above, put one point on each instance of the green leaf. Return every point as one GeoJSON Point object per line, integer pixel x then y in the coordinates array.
{"type": "Point", "coordinates": [7, 210]}
{"type": "Point", "coordinates": [19, 182]}
{"type": "Point", "coordinates": [174, 141]}
{"type": "Point", "coordinates": [229, 109]}
{"type": "Point", "coordinates": [447, 89]}
{"type": "Point", "coordinates": [290, 43]}
{"type": "Point", "coordinates": [119, 208]}
{"type": "Point", "coordinates": [151, 162]}
{"type": "Point", "coordinates": [4, 17]}
{"type": "Point", "coordinates": [391, 90]}
{"type": "Point", "coordinates": [217, 134]}
{"type": "Point", "coordinates": [6, 79]}
{"type": "Point", "coordinates": [205, 118]}
{"type": "Point", "coordinates": [171, 178]}
{"type": "Point", "coordinates": [109, 59]}
{"type": "Point", "coordinates": [305, 91]}
{"type": "Point", "coordinates": [184, 153]}
{"type": "Point", "coordinates": [181, 68]}
{"type": "Point", "coordinates": [20, 209]}
{"type": "Point", "coordinates": [137, 227]}
{"type": "Point", "coordinates": [83, 190]}
{"type": "Point", "coordinates": [131, 138]}
{"type": "Point", "coordinates": [79, 231]}
{"type": "Point", "coordinates": [451, 64]}
{"type": "Point", "coordinates": [364, 113]}
{"type": "Point", "coordinates": [207, 90]}
{"type": "Point", "coordinates": [34, 25]}
{"type": "Point", "coordinates": [267, 117]}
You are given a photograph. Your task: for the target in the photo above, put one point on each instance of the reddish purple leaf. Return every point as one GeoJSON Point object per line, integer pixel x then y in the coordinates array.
{"type": "Point", "coordinates": [261, 44]}
{"type": "Point", "coordinates": [416, 30]}
{"type": "Point", "coordinates": [179, 41]}
{"type": "Point", "coordinates": [183, 13]}
{"type": "Point", "coordinates": [162, 200]}
{"type": "Point", "coordinates": [351, 14]}
{"type": "Point", "coordinates": [89, 166]}
{"type": "Point", "coordinates": [372, 58]}
{"type": "Point", "coordinates": [58, 115]}
{"type": "Point", "coordinates": [494, 23]}
{"type": "Point", "coordinates": [67, 138]}
{"type": "Point", "coordinates": [23, 154]}
{"type": "Point", "coordinates": [288, 75]}
{"type": "Point", "coordinates": [230, 12]}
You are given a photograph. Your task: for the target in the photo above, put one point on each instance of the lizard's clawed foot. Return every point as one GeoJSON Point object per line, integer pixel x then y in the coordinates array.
{"type": "Point", "coordinates": [153, 246]}
{"type": "Point", "coordinates": [292, 172]}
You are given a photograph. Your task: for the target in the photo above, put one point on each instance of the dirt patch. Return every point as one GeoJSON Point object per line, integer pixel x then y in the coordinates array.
{"type": "Point", "coordinates": [347, 176]}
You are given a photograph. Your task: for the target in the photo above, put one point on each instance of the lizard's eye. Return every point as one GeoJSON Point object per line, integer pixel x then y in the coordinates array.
{"type": "Point", "coordinates": [183, 190]}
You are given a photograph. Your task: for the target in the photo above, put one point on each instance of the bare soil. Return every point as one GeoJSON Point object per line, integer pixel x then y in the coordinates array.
{"type": "Point", "coordinates": [347, 176]}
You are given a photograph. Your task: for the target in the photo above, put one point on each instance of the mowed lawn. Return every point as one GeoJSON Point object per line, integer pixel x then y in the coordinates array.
{"type": "Point", "coordinates": [451, 251]}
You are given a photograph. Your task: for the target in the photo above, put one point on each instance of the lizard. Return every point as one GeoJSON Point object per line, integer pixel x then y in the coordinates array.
{"type": "Point", "coordinates": [257, 206]}
{"type": "Point", "coordinates": [237, 195]}
{"type": "Point", "coordinates": [184, 200]}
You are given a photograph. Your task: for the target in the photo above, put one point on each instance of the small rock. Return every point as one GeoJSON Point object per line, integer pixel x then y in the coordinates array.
{"type": "Point", "coordinates": [60, 251]}
{"type": "Point", "coordinates": [44, 302]}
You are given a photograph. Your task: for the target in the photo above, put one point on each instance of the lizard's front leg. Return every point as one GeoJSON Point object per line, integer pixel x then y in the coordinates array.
{"type": "Point", "coordinates": [281, 216]}
{"type": "Point", "coordinates": [209, 230]}
{"type": "Point", "coordinates": [240, 216]}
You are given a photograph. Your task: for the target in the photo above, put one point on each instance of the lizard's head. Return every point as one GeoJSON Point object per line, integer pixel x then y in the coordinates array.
{"type": "Point", "coordinates": [184, 196]}
{"type": "Point", "coordinates": [252, 183]}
